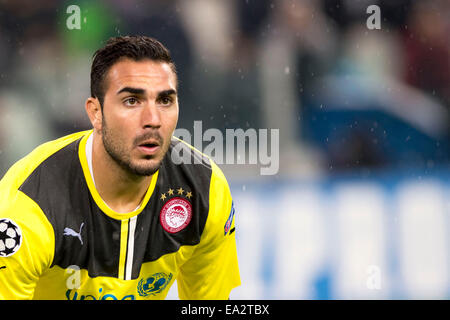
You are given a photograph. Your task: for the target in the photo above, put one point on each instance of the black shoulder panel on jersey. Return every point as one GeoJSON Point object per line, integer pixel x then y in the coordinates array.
{"type": "Point", "coordinates": [83, 234]}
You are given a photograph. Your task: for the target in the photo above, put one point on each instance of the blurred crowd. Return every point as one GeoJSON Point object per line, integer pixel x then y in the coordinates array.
{"type": "Point", "coordinates": [297, 65]}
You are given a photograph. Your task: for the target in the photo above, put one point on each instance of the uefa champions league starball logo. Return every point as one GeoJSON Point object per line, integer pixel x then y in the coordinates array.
{"type": "Point", "coordinates": [10, 237]}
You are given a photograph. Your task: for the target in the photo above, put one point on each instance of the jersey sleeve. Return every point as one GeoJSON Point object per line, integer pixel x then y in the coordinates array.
{"type": "Point", "coordinates": [212, 271]}
{"type": "Point", "coordinates": [26, 247]}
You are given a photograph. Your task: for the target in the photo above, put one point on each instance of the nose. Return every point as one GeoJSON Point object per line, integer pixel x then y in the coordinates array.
{"type": "Point", "coordinates": [150, 116]}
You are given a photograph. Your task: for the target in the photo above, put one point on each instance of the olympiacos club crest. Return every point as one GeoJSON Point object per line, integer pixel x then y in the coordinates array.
{"type": "Point", "coordinates": [175, 214]}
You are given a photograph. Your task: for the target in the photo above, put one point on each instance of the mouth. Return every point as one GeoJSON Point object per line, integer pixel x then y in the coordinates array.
{"type": "Point", "coordinates": [149, 147]}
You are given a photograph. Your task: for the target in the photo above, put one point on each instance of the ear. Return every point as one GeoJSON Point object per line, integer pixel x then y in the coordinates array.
{"type": "Point", "coordinates": [94, 112]}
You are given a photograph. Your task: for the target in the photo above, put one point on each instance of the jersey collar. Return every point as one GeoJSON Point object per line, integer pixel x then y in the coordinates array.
{"type": "Point", "coordinates": [98, 200]}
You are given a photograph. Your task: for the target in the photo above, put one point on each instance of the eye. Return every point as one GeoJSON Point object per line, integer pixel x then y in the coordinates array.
{"type": "Point", "coordinates": [166, 100]}
{"type": "Point", "coordinates": [131, 101]}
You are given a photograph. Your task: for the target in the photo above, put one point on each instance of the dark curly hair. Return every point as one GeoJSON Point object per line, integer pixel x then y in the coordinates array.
{"type": "Point", "coordinates": [136, 48]}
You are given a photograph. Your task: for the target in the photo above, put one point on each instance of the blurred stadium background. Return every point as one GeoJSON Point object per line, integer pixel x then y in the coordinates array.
{"type": "Point", "coordinates": [360, 208]}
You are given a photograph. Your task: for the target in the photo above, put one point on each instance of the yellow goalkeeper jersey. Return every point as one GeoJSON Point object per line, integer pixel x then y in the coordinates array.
{"type": "Point", "coordinates": [60, 240]}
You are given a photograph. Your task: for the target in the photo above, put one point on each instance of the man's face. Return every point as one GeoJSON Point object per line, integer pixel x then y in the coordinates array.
{"type": "Point", "coordinates": [140, 113]}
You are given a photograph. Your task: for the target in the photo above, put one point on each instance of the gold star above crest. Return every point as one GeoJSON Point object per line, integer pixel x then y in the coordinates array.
{"type": "Point", "coordinates": [180, 191]}
{"type": "Point", "coordinates": [189, 195]}
{"type": "Point", "coordinates": [163, 196]}
{"type": "Point", "coordinates": [170, 192]}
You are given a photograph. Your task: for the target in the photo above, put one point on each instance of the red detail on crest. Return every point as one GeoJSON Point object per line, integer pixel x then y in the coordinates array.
{"type": "Point", "coordinates": [175, 215]}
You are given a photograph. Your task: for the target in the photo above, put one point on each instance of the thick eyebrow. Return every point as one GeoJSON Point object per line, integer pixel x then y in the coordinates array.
{"type": "Point", "coordinates": [166, 93]}
{"type": "Point", "coordinates": [140, 91]}
{"type": "Point", "coordinates": [132, 90]}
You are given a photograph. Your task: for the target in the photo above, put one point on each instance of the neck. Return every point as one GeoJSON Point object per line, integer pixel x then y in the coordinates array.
{"type": "Point", "coordinates": [121, 190]}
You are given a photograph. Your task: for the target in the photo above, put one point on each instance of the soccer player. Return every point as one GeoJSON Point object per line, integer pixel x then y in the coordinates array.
{"type": "Point", "coordinates": [113, 212]}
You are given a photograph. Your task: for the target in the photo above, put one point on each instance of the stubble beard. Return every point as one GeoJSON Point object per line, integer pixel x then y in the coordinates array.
{"type": "Point", "coordinates": [122, 157]}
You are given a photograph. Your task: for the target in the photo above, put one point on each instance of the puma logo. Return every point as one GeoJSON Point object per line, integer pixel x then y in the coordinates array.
{"type": "Point", "coordinates": [71, 232]}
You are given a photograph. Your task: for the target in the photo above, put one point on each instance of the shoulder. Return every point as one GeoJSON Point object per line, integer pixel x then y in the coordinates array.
{"type": "Point", "coordinates": [183, 164]}
{"type": "Point", "coordinates": [34, 178]}
{"type": "Point", "coordinates": [23, 168]}
{"type": "Point", "coordinates": [182, 153]}
{"type": "Point", "coordinates": [195, 165]}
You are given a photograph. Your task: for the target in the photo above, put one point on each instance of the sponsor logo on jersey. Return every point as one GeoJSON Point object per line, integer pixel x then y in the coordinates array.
{"type": "Point", "coordinates": [10, 237]}
{"type": "Point", "coordinates": [229, 221]}
{"type": "Point", "coordinates": [154, 284]}
{"type": "Point", "coordinates": [73, 295]}
{"type": "Point", "coordinates": [175, 215]}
